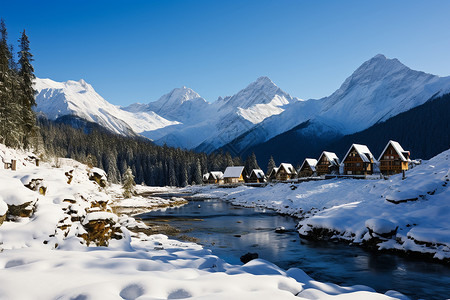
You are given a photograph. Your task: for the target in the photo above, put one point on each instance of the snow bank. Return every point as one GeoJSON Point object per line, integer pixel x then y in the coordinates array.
{"type": "Point", "coordinates": [3, 207]}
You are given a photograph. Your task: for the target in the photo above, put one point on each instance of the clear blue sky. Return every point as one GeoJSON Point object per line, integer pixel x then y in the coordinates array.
{"type": "Point", "coordinates": [136, 51]}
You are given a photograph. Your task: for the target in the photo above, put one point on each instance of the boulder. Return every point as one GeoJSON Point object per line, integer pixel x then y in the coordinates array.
{"type": "Point", "coordinates": [24, 210]}
{"type": "Point", "coordinates": [248, 257]}
{"type": "Point", "coordinates": [69, 175]}
{"type": "Point", "coordinates": [100, 228]}
{"type": "Point", "coordinates": [99, 176]}
{"type": "Point", "coordinates": [37, 184]}
{"type": "Point", "coordinates": [379, 227]}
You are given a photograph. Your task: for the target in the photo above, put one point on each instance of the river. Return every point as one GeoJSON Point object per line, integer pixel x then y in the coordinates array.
{"type": "Point", "coordinates": [231, 231]}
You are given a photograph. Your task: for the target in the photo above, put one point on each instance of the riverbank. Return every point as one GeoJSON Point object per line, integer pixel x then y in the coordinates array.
{"type": "Point", "coordinates": [409, 216]}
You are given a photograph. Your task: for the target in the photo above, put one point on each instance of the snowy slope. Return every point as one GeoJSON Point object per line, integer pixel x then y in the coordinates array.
{"type": "Point", "coordinates": [57, 99]}
{"type": "Point", "coordinates": [379, 89]}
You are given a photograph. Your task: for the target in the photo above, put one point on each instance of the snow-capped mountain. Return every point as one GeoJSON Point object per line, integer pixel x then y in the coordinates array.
{"type": "Point", "coordinates": [181, 104]}
{"type": "Point", "coordinates": [57, 99]}
{"type": "Point", "coordinates": [228, 117]}
{"type": "Point", "coordinates": [378, 90]}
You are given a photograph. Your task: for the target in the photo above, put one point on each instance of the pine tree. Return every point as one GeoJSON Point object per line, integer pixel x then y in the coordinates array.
{"type": "Point", "coordinates": [128, 183]}
{"type": "Point", "coordinates": [10, 119]}
{"type": "Point", "coordinates": [198, 176]}
{"type": "Point", "coordinates": [251, 163]}
{"type": "Point", "coordinates": [270, 165]}
{"type": "Point", "coordinates": [26, 73]}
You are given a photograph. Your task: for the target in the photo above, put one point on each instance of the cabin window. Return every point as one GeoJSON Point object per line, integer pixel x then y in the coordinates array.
{"type": "Point", "coordinates": [358, 164]}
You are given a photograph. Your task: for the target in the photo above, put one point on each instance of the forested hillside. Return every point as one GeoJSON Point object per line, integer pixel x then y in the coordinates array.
{"type": "Point", "coordinates": [151, 164]}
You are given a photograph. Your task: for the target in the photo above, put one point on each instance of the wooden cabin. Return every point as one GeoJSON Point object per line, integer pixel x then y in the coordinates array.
{"type": "Point", "coordinates": [257, 176]}
{"type": "Point", "coordinates": [273, 174]}
{"type": "Point", "coordinates": [358, 161]}
{"type": "Point", "coordinates": [393, 159]}
{"type": "Point", "coordinates": [308, 168]}
{"type": "Point", "coordinates": [234, 175]}
{"type": "Point", "coordinates": [285, 172]}
{"type": "Point", "coordinates": [215, 177]}
{"type": "Point", "coordinates": [328, 163]}
{"type": "Point", "coordinates": [205, 178]}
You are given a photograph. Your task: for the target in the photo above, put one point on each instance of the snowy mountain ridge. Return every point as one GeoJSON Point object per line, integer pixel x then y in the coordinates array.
{"type": "Point", "coordinates": [57, 99]}
{"type": "Point", "coordinates": [379, 89]}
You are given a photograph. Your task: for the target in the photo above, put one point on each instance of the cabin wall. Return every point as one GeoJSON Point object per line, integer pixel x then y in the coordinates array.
{"type": "Point", "coordinates": [354, 165]}
{"type": "Point", "coordinates": [391, 163]}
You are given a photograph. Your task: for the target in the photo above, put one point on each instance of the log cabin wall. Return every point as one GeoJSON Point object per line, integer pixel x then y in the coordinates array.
{"type": "Point", "coordinates": [354, 165]}
{"type": "Point", "coordinates": [391, 163]}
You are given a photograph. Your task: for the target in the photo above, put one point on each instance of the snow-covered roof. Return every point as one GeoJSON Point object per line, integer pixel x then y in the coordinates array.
{"type": "Point", "coordinates": [363, 152]}
{"type": "Point", "coordinates": [216, 175]}
{"type": "Point", "coordinates": [274, 171]}
{"type": "Point", "coordinates": [397, 148]}
{"type": "Point", "coordinates": [288, 167]}
{"type": "Point", "coordinates": [205, 176]}
{"type": "Point", "coordinates": [311, 162]}
{"type": "Point", "coordinates": [258, 173]}
{"type": "Point", "coordinates": [233, 172]}
{"type": "Point", "coordinates": [331, 156]}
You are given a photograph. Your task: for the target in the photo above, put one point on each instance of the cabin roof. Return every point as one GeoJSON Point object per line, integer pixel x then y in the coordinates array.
{"type": "Point", "coordinates": [233, 172]}
{"type": "Point", "coordinates": [288, 167]}
{"type": "Point", "coordinates": [312, 162]}
{"type": "Point", "coordinates": [363, 152]}
{"type": "Point", "coordinates": [397, 149]}
{"type": "Point", "coordinates": [205, 176]}
{"type": "Point", "coordinates": [331, 156]}
{"type": "Point", "coordinates": [216, 175]}
{"type": "Point", "coordinates": [274, 170]}
{"type": "Point", "coordinates": [258, 173]}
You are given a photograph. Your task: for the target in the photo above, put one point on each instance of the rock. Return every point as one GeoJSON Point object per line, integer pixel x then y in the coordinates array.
{"type": "Point", "coordinates": [37, 184]}
{"type": "Point", "coordinates": [2, 219]}
{"type": "Point", "coordinates": [280, 229]}
{"type": "Point", "coordinates": [99, 176]}
{"type": "Point", "coordinates": [69, 175]}
{"type": "Point", "coordinates": [248, 257]}
{"type": "Point", "coordinates": [25, 210]}
{"type": "Point", "coordinates": [100, 232]}
{"type": "Point", "coordinates": [381, 228]}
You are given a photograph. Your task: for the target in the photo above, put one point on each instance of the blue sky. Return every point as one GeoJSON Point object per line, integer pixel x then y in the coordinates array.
{"type": "Point", "coordinates": [136, 51]}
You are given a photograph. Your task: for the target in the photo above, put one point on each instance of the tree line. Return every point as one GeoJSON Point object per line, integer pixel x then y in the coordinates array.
{"type": "Point", "coordinates": [151, 164]}
{"type": "Point", "coordinates": [17, 119]}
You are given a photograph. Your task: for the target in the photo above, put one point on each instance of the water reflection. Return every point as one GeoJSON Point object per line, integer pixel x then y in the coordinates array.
{"type": "Point", "coordinates": [231, 231]}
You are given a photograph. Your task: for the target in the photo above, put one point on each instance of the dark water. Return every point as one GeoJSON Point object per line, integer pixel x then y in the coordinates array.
{"type": "Point", "coordinates": [218, 225]}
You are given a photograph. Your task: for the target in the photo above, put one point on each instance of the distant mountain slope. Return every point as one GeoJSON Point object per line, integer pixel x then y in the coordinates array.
{"type": "Point", "coordinates": [379, 89]}
{"type": "Point", "coordinates": [424, 130]}
{"type": "Point", "coordinates": [77, 98]}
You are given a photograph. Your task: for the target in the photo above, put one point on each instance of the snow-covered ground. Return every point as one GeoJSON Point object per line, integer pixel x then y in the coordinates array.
{"type": "Point", "coordinates": [49, 248]}
{"type": "Point", "coordinates": [406, 215]}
